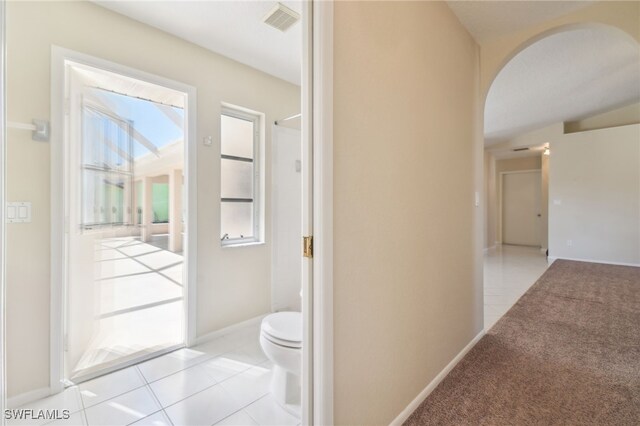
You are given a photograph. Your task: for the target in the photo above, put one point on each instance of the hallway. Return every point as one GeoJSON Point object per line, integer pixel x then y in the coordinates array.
{"type": "Point", "coordinates": [509, 271]}
{"type": "Point", "coordinates": [566, 353]}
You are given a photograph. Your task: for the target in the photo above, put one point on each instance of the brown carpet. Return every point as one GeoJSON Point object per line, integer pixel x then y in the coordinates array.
{"type": "Point", "coordinates": [567, 353]}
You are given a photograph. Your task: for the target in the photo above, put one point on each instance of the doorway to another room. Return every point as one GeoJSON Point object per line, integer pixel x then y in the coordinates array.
{"type": "Point", "coordinates": [124, 296]}
{"type": "Point", "coordinates": [521, 208]}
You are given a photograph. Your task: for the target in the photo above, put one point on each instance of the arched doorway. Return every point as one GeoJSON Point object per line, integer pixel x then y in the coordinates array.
{"type": "Point", "coordinates": [556, 82]}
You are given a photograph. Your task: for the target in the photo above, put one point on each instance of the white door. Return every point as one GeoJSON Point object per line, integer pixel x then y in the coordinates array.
{"type": "Point", "coordinates": [521, 208]}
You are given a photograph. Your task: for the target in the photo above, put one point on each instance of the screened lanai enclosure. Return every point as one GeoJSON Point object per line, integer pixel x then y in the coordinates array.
{"type": "Point", "coordinates": [125, 157]}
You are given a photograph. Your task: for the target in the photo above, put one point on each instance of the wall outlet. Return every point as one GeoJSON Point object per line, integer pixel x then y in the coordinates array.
{"type": "Point", "coordinates": [557, 202]}
{"type": "Point", "coordinates": [569, 243]}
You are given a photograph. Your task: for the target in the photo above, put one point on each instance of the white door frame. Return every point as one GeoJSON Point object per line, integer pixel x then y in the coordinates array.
{"type": "Point", "coordinates": [3, 147]}
{"type": "Point", "coordinates": [321, 379]}
{"type": "Point", "coordinates": [60, 197]}
{"type": "Point", "coordinates": [501, 193]}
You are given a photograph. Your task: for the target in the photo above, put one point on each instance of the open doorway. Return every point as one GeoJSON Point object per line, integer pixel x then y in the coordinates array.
{"type": "Point", "coordinates": [124, 296]}
{"type": "Point", "coordinates": [220, 360]}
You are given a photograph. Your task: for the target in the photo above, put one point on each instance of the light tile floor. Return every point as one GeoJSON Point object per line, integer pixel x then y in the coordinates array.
{"type": "Point", "coordinates": [509, 271]}
{"type": "Point", "coordinates": [224, 381]}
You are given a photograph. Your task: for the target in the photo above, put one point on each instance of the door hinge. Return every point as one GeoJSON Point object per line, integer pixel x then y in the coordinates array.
{"type": "Point", "coordinates": [307, 246]}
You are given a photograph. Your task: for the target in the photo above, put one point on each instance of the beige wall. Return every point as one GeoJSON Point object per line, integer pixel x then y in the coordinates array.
{"type": "Point", "coordinates": [489, 178]}
{"type": "Point", "coordinates": [594, 196]}
{"type": "Point", "coordinates": [544, 201]}
{"type": "Point", "coordinates": [228, 290]}
{"type": "Point", "coordinates": [624, 116]}
{"type": "Point", "coordinates": [407, 292]}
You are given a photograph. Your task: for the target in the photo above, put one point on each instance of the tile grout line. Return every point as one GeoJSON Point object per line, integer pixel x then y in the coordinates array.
{"type": "Point", "coordinates": [201, 390]}
{"type": "Point", "coordinates": [155, 397]}
{"type": "Point", "coordinates": [79, 410]}
{"type": "Point", "coordinates": [249, 414]}
{"type": "Point", "coordinates": [241, 408]}
{"type": "Point", "coordinates": [147, 384]}
{"type": "Point", "coordinates": [233, 414]}
{"type": "Point", "coordinates": [115, 396]}
{"type": "Point", "coordinates": [216, 384]}
{"type": "Point", "coordinates": [149, 415]}
{"type": "Point", "coordinates": [196, 363]}
{"type": "Point", "coordinates": [84, 409]}
{"type": "Point", "coordinates": [118, 395]}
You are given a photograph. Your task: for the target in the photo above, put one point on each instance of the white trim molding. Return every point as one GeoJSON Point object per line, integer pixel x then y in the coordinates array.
{"type": "Point", "coordinates": [308, 341]}
{"type": "Point", "coordinates": [226, 330]}
{"type": "Point", "coordinates": [486, 249]}
{"type": "Point", "coordinates": [323, 212]}
{"type": "Point", "coordinates": [404, 415]}
{"type": "Point", "coordinates": [3, 152]}
{"type": "Point", "coordinates": [27, 397]}
{"type": "Point", "coordinates": [552, 259]}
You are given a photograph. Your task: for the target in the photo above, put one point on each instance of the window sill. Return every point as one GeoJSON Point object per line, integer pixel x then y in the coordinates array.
{"type": "Point", "coordinates": [242, 244]}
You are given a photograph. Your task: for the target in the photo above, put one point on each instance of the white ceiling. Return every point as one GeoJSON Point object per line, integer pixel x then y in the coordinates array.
{"type": "Point", "coordinates": [488, 19]}
{"type": "Point", "coordinates": [563, 77]}
{"type": "Point", "coordinates": [231, 28]}
{"type": "Point", "coordinates": [566, 76]}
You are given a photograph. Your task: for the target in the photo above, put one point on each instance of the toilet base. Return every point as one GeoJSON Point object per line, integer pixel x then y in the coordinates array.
{"type": "Point", "coordinates": [285, 388]}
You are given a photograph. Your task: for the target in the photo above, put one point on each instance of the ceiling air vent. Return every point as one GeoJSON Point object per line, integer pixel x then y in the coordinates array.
{"type": "Point", "coordinates": [281, 17]}
{"type": "Point", "coordinates": [521, 149]}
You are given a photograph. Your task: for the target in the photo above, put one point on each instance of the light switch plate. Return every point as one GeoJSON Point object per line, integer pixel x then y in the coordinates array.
{"type": "Point", "coordinates": [18, 212]}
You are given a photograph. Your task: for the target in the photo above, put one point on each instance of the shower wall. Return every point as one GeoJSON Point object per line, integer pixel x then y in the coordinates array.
{"type": "Point", "coordinates": [286, 258]}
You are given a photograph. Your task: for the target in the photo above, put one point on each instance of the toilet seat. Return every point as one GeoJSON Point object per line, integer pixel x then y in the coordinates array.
{"type": "Point", "coordinates": [283, 328]}
{"type": "Point", "coordinates": [283, 343]}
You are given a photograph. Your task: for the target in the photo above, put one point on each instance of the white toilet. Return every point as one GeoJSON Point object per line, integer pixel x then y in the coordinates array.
{"type": "Point", "coordinates": [281, 341]}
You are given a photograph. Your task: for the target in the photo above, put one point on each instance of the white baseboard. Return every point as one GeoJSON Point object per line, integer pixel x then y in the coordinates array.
{"type": "Point", "coordinates": [226, 330]}
{"type": "Point", "coordinates": [27, 397]}
{"type": "Point", "coordinates": [404, 415]}
{"type": "Point", "coordinates": [606, 262]}
{"type": "Point", "coordinates": [486, 249]}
